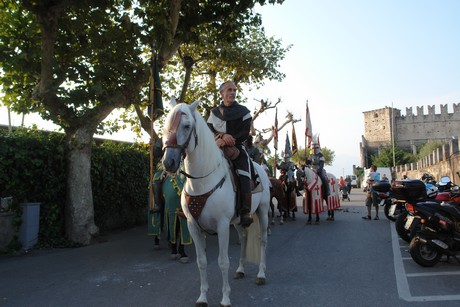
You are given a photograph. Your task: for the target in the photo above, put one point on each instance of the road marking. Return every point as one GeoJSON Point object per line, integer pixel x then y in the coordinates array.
{"type": "Point", "coordinates": [432, 274]}
{"type": "Point", "coordinates": [402, 278]}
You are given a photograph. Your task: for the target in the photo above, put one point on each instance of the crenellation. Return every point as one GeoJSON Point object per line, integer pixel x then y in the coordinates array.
{"type": "Point", "coordinates": [420, 111]}
{"type": "Point", "coordinates": [409, 112]}
{"type": "Point", "coordinates": [456, 108]}
{"type": "Point", "coordinates": [444, 109]}
{"type": "Point", "coordinates": [431, 110]}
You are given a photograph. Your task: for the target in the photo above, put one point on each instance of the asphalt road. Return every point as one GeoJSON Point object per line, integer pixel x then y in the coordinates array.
{"type": "Point", "coordinates": [347, 262]}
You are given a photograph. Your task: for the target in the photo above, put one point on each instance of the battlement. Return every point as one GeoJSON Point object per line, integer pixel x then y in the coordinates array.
{"type": "Point", "coordinates": [432, 111]}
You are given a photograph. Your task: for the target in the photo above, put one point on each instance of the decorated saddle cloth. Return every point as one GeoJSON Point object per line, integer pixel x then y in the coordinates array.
{"type": "Point", "coordinates": [313, 199]}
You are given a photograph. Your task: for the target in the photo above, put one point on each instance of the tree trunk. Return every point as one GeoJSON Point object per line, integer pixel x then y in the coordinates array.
{"type": "Point", "coordinates": [79, 211]}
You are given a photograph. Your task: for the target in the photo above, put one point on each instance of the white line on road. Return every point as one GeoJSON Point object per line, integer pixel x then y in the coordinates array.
{"type": "Point", "coordinates": [401, 276]}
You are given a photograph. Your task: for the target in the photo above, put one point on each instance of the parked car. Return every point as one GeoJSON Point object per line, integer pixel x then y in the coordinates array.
{"type": "Point", "coordinates": [354, 183]}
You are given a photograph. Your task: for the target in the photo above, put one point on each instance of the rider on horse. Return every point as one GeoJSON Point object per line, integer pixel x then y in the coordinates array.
{"type": "Point", "coordinates": [231, 122]}
{"type": "Point", "coordinates": [287, 169]}
{"type": "Point", "coordinates": [317, 164]}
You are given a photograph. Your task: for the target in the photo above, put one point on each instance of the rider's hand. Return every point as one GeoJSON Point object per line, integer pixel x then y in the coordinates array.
{"type": "Point", "coordinates": [228, 139]}
{"type": "Point", "coordinates": [220, 142]}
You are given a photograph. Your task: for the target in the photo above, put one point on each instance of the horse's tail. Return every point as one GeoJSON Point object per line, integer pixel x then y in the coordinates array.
{"type": "Point", "coordinates": [253, 241]}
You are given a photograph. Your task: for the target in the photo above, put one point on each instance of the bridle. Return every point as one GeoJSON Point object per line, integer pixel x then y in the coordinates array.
{"type": "Point", "coordinates": [171, 142]}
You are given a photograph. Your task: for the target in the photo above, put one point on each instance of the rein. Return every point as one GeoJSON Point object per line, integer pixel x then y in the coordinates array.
{"type": "Point", "coordinates": [193, 177]}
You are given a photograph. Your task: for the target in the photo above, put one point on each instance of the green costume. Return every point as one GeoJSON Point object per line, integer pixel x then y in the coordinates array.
{"type": "Point", "coordinates": [154, 218]}
{"type": "Point", "coordinates": [172, 189]}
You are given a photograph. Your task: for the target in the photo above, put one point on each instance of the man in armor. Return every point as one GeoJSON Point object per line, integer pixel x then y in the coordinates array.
{"type": "Point", "coordinates": [317, 164]}
{"type": "Point", "coordinates": [231, 122]}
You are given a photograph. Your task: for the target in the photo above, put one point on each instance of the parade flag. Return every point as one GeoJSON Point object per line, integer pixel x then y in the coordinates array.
{"type": "Point", "coordinates": [155, 90]}
{"type": "Point", "coordinates": [308, 130]}
{"type": "Point", "coordinates": [287, 148]}
{"type": "Point", "coordinates": [275, 131]}
{"type": "Point", "coordinates": [294, 141]}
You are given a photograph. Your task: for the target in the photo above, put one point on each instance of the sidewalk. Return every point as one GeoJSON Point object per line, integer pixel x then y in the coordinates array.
{"type": "Point", "coordinates": [121, 271]}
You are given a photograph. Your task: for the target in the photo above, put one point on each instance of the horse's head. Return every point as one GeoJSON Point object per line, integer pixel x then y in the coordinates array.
{"type": "Point", "coordinates": [178, 130]}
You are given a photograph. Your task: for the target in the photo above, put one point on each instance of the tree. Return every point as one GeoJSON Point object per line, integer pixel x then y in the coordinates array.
{"type": "Point", "coordinates": [385, 157]}
{"type": "Point", "coordinates": [428, 148]}
{"type": "Point", "coordinates": [74, 62]}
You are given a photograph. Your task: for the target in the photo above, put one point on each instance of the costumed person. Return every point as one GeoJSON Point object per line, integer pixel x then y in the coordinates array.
{"type": "Point", "coordinates": [231, 122]}
{"type": "Point", "coordinates": [317, 164]}
{"type": "Point", "coordinates": [175, 221]}
{"type": "Point", "coordinates": [155, 214]}
{"type": "Point", "coordinates": [372, 196]}
{"type": "Point", "coordinates": [253, 151]}
{"type": "Point", "coordinates": [287, 169]}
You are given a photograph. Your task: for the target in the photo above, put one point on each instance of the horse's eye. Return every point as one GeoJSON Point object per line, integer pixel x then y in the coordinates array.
{"type": "Point", "coordinates": [186, 126]}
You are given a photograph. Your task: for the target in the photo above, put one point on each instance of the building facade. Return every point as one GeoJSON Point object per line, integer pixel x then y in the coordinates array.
{"type": "Point", "coordinates": [384, 126]}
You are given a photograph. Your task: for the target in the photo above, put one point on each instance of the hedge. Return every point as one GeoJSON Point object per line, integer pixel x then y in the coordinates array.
{"type": "Point", "coordinates": [33, 168]}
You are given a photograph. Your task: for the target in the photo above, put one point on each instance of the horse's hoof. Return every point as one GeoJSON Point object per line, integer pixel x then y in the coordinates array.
{"type": "Point", "coordinates": [272, 223]}
{"type": "Point", "coordinates": [184, 260]}
{"type": "Point", "coordinates": [260, 281]}
{"type": "Point", "coordinates": [201, 304]}
{"type": "Point", "coordinates": [225, 305]}
{"type": "Point", "coordinates": [308, 222]}
{"type": "Point", "coordinates": [239, 275]}
{"type": "Point", "coordinates": [281, 223]}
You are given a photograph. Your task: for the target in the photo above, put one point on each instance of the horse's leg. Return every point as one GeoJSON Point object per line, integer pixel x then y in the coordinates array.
{"type": "Point", "coordinates": [263, 246]}
{"type": "Point", "coordinates": [309, 205]}
{"type": "Point", "coordinates": [223, 233]}
{"type": "Point", "coordinates": [157, 243]}
{"type": "Point", "coordinates": [199, 240]}
{"type": "Point", "coordinates": [243, 237]}
{"type": "Point", "coordinates": [317, 218]}
{"type": "Point", "coordinates": [272, 208]}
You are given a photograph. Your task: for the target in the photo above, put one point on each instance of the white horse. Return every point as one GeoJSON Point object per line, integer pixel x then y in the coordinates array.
{"type": "Point", "coordinates": [313, 198]}
{"type": "Point", "coordinates": [208, 199]}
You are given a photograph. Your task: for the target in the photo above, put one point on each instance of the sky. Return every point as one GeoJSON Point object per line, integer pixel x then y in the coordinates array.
{"type": "Point", "coordinates": [353, 56]}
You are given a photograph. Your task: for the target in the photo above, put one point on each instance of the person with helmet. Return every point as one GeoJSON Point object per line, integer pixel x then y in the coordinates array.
{"type": "Point", "coordinates": [317, 164]}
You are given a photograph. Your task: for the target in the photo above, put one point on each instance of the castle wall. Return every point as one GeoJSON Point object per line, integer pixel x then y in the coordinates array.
{"type": "Point", "coordinates": [410, 130]}
{"type": "Point", "coordinates": [417, 129]}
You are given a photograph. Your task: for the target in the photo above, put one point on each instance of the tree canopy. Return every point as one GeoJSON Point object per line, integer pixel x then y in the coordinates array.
{"type": "Point", "coordinates": [74, 62]}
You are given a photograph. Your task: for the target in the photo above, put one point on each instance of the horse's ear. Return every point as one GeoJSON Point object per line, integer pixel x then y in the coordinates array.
{"type": "Point", "coordinates": [173, 102]}
{"type": "Point", "coordinates": [194, 105]}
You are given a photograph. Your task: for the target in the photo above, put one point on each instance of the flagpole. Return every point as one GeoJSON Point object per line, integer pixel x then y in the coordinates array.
{"type": "Point", "coordinates": [152, 140]}
{"type": "Point", "coordinates": [306, 129]}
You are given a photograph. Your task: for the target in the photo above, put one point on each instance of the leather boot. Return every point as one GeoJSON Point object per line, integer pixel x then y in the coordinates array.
{"type": "Point", "coordinates": [245, 209]}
